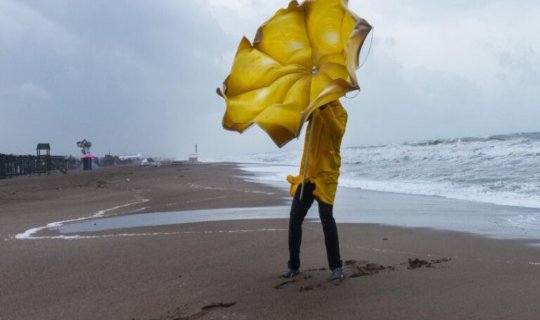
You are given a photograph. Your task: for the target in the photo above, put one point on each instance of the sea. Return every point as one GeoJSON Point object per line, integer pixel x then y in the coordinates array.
{"type": "Point", "coordinates": [499, 169]}
{"type": "Point", "coordinates": [481, 185]}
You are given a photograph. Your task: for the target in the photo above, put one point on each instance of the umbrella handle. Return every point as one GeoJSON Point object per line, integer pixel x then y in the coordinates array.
{"type": "Point", "coordinates": [306, 162]}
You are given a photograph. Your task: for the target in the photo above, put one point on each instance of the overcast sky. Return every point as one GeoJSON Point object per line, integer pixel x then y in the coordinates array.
{"type": "Point", "coordinates": [140, 76]}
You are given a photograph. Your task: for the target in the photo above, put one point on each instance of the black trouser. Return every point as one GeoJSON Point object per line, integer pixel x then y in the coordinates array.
{"type": "Point", "coordinates": [299, 210]}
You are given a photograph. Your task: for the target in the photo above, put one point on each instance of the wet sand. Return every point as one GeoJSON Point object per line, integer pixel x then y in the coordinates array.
{"type": "Point", "coordinates": [231, 269]}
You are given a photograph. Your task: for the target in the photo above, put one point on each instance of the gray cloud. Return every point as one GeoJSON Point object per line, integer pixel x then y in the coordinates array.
{"type": "Point", "coordinates": [135, 76]}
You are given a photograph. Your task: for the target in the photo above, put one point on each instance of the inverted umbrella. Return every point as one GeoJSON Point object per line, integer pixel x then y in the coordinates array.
{"type": "Point", "coordinates": [304, 57]}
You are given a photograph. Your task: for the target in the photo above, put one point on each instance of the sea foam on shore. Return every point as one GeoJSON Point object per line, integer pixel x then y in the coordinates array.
{"type": "Point", "coordinates": [501, 169]}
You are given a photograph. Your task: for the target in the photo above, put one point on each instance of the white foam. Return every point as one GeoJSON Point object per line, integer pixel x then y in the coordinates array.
{"type": "Point", "coordinates": [447, 190]}
{"type": "Point", "coordinates": [502, 170]}
{"type": "Point", "coordinates": [29, 234]}
{"type": "Point", "coordinates": [149, 234]}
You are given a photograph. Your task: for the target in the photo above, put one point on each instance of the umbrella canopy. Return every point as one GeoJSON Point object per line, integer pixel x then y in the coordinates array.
{"type": "Point", "coordinates": [304, 57]}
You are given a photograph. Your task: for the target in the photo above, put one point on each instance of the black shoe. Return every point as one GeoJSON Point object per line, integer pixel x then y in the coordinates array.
{"type": "Point", "coordinates": [289, 273]}
{"type": "Point", "coordinates": [337, 274]}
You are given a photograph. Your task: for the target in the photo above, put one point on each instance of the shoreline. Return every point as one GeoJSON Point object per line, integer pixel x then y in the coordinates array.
{"type": "Point", "coordinates": [221, 269]}
{"type": "Point", "coordinates": [347, 201]}
{"type": "Point", "coordinates": [249, 166]}
{"type": "Point", "coordinates": [350, 200]}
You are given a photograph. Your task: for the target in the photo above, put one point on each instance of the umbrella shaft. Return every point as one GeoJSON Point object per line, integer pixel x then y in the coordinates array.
{"type": "Point", "coordinates": [306, 162]}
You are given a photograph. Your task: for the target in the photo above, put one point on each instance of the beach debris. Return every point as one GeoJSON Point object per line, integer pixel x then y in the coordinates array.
{"type": "Point", "coordinates": [372, 268]}
{"type": "Point", "coordinates": [354, 269]}
{"type": "Point", "coordinates": [355, 262]}
{"type": "Point", "coordinates": [316, 269]}
{"type": "Point", "coordinates": [309, 287]}
{"type": "Point", "coordinates": [306, 288]}
{"type": "Point", "coordinates": [183, 314]}
{"type": "Point", "coordinates": [101, 183]}
{"type": "Point", "coordinates": [417, 263]}
{"type": "Point", "coordinates": [218, 305]}
{"type": "Point", "coordinates": [367, 269]}
{"type": "Point", "coordinates": [441, 260]}
{"type": "Point", "coordinates": [385, 239]}
{"type": "Point", "coordinates": [350, 262]}
{"type": "Point", "coordinates": [281, 285]}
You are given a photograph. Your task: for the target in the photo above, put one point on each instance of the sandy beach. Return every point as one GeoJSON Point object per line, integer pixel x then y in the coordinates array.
{"type": "Point", "coordinates": [230, 269]}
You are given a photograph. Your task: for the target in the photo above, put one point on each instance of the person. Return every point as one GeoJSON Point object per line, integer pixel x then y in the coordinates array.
{"type": "Point", "coordinates": [326, 127]}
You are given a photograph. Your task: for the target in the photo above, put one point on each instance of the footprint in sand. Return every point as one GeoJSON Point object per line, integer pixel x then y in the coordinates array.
{"type": "Point", "coordinates": [355, 269]}
{"type": "Point", "coordinates": [178, 314]}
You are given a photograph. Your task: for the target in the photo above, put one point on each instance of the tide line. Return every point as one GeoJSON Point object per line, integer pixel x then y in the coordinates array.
{"type": "Point", "coordinates": [29, 234]}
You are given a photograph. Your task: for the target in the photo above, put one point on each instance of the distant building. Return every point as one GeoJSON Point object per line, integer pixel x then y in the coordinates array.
{"type": "Point", "coordinates": [109, 160]}
{"type": "Point", "coordinates": [136, 157]}
{"type": "Point", "coordinates": [194, 157]}
{"type": "Point", "coordinates": [129, 159]}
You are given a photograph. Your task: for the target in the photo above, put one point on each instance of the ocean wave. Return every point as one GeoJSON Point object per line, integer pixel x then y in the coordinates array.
{"type": "Point", "coordinates": [501, 169]}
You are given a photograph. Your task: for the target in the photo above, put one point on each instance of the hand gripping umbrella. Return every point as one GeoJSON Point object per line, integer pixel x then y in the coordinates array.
{"type": "Point", "coordinates": [304, 57]}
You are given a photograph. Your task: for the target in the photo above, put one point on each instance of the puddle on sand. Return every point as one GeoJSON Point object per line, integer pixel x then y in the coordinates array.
{"type": "Point", "coordinates": [169, 218]}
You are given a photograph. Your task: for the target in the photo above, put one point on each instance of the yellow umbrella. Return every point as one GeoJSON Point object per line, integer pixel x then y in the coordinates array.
{"type": "Point", "coordinates": [304, 57]}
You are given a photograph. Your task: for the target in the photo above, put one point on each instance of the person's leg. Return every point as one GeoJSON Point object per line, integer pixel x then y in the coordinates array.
{"type": "Point", "coordinates": [299, 210]}
{"type": "Point", "coordinates": [331, 238]}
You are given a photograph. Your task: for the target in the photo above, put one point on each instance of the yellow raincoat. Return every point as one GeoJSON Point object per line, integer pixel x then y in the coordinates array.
{"type": "Point", "coordinates": [327, 126]}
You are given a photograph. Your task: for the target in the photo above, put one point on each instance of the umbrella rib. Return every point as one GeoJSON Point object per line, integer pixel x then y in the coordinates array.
{"type": "Point", "coordinates": [286, 93]}
{"type": "Point", "coordinates": [341, 24]}
{"type": "Point", "coordinates": [326, 75]}
{"type": "Point", "coordinates": [321, 71]}
{"type": "Point", "coordinates": [267, 85]}
{"type": "Point", "coordinates": [307, 32]}
{"type": "Point", "coordinates": [309, 93]}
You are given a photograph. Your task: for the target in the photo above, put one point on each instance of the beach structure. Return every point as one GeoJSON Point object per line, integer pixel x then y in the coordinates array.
{"type": "Point", "coordinates": [87, 160]}
{"type": "Point", "coordinates": [109, 160]}
{"type": "Point", "coordinates": [64, 163]}
{"type": "Point", "coordinates": [43, 158]}
{"type": "Point", "coordinates": [133, 159]}
{"type": "Point", "coordinates": [17, 165]}
{"type": "Point", "coordinates": [194, 157]}
{"type": "Point", "coordinates": [41, 163]}
{"type": "Point", "coordinates": [85, 146]}
{"type": "Point", "coordinates": [2, 166]}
